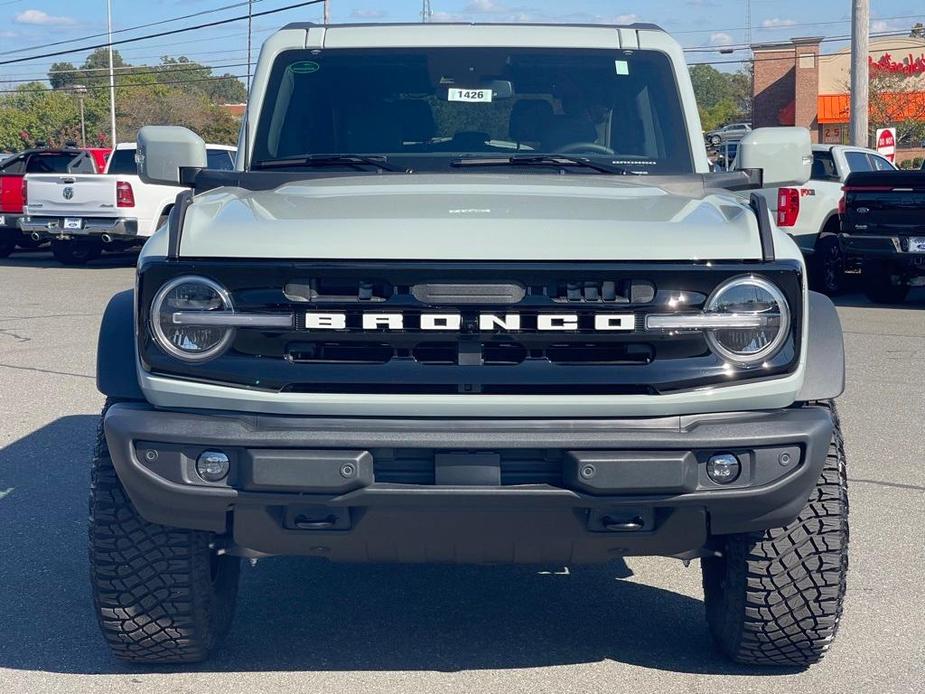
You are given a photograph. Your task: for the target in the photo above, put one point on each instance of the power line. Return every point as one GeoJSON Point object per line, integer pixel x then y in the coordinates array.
{"type": "Point", "coordinates": [134, 28]}
{"type": "Point", "coordinates": [139, 71]}
{"type": "Point", "coordinates": [218, 78]}
{"type": "Point", "coordinates": [196, 27]}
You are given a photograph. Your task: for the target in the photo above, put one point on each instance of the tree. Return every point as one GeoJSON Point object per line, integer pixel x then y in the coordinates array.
{"type": "Point", "coordinates": [722, 97]}
{"type": "Point", "coordinates": [63, 75]}
{"type": "Point", "coordinates": [897, 100]}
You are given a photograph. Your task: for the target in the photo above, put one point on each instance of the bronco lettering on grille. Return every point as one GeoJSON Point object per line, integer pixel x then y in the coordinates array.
{"type": "Point", "coordinates": [487, 322]}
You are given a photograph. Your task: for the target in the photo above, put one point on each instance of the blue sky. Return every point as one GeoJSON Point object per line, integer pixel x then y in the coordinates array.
{"type": "Point", "coordinates": [25, 25]}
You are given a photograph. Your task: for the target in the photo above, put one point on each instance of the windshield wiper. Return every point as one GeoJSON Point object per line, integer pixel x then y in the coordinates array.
{"type": "Point", "coordinates": [356, 161]}
{"type": "Point", "coordinates": [558, 160]}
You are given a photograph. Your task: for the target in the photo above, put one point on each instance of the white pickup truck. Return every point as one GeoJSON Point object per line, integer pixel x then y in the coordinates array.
{"type": "Point", "coordinates": [809, 213]}
{"type": "Point", "coordinates": [83, 215]}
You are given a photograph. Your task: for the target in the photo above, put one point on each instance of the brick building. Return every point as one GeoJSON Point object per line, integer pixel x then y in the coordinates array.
{"type": "Point", "coordinates": [795, 84]}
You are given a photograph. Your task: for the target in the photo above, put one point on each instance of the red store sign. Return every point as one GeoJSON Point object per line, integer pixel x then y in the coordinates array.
{"type": "Point", "coordinates": [909, 66]}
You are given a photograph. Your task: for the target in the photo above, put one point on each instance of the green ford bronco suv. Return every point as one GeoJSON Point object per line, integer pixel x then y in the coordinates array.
{"type": "Point", "coordinates": [471, 295]}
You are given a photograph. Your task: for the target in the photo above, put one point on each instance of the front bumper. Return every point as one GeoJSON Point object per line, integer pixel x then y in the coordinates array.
{"type": "Point", "coordinates": [43, 228]}
{"type": "Point", "coordinates": [468, 491]}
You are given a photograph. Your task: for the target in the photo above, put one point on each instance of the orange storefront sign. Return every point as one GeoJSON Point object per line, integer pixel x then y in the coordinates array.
{"type": "Point", "coordinates": [836, 108]}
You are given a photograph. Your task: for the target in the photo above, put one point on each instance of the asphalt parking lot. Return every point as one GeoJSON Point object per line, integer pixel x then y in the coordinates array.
{"type": "Point", "coordinates": [311, 627]}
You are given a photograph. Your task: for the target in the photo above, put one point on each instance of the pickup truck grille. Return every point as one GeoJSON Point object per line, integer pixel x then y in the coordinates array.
{"type": "Point", "coordinates": [469, 359]}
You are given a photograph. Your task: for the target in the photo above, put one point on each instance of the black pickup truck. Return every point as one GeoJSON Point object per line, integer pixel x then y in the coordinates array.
{"type": "Point", "coordinates": [883, 224]}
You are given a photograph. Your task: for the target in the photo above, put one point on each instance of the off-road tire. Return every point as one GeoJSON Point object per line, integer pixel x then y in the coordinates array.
{"type": "Point", "coordinates": [827, 266]}
{"type": "Point", "coordinates": [878, 285]}
{"type": "Point", "coordinates": [775, 598]}
{"type": "Point", "coordinates": [72, 252]}
{"type": "Point", "coordinates": [161, 594]}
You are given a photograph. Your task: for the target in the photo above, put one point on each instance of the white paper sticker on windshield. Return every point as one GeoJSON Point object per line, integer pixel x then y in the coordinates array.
{"type": "Point", "coordinates": [623, 67]}
{"type": "Point", "coordinates": [479, 96]}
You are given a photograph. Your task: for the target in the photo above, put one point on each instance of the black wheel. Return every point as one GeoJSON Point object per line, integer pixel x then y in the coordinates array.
{"type": "Point", "coordinates": [75, 252]}
{"type": "Point", "coordinates": [162, 595]}
{"type": "Point", "coordinates": [879, 284]}
{"type": "Point", "coordinates": [827, 266]}
{"type": "Point", "coordinates": [6, 247]}
{"type": "Point", "coordinates": [775, 598]}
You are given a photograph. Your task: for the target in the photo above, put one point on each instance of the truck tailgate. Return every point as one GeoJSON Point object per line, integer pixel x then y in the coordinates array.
{"type": "Point", "coordinates": [887, 203]}
{"type": "Point", "coordinates": [70, 195]}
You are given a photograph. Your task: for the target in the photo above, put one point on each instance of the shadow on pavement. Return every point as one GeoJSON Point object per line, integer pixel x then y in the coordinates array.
{"type": "Point", "coordinates": [44, 259]}
{"type": "Point", "coordinates": [303, 614]}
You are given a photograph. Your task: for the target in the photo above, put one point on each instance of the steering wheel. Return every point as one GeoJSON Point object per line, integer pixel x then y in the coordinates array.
{"type": "Point", "coordinates": [579, 147]}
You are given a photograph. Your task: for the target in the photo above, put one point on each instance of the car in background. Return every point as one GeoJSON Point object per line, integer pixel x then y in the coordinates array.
{"type": "Point", "coordinates": [809, 213]}
{"type": "Point", "coordinates": [84, 215]}
{"type": "Point", "coordinates": [733, 131]}
{"type": "Point", "coordinates": [69, 159]}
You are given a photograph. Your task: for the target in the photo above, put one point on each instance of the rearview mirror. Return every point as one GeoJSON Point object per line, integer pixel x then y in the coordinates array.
{"type": "Point", "coordinates": [785, 155]}
{"type": "Point", "coordinates": [164, 150]}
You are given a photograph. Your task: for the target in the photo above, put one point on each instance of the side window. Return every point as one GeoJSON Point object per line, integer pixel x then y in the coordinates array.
{"type": "Point", "coordinates": [858, 161]}
{"type": "Point", "coordinates": [881, 164]}
{"type": "Point", "coordinates": [824, 167]}
{"type": "Point", "coordinates": [16, 165]}
{"type": "Point", "coordinates": [219, 159]}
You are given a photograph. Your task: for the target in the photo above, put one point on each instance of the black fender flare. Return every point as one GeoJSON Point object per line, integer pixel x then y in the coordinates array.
{"type": "Point", "coordinates": [825, 358]}
{"type": "Point", "coordinates": [116, 376]}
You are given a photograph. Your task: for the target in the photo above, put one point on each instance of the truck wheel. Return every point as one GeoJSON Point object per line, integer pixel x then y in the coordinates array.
{"type": "Point", "coordinates": [827, 268]}
{"type": "Point", "coordinates": [879, 287]}
{"type": "Point", "coordinates": [6, 247]}
{"type": "Point", "coordinates": [775, 598]}
{"type": "Point", "coordinates": [75, 252]}
{"type": "Point", "coordinates": [161, 594]}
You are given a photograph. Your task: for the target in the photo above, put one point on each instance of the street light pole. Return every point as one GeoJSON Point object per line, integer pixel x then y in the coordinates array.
{"type": "Point", "coordinates": [81, 91]}
{"type": "Point", "coordinates": [860, 73]}
{"type": "Point", "coordinates": [112, 79]}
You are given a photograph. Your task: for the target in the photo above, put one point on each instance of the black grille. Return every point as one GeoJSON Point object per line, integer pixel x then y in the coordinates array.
{"type": "Point", "coordinates": [585, 360]}
{"type": "Point", "coordinates": [518, 466]}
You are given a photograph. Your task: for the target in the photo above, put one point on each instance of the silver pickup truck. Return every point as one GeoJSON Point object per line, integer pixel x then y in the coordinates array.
{"type": "Point", "coordinates": [470, 295]}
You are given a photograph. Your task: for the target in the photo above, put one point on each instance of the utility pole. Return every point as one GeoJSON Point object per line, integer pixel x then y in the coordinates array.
{"type": "Point", "coordinates": [748, 23]}
{"type": "Point", "coordinates": [860, 85]}
{"type": "Point", "coordinates": [112, 79]}
{"type": "Point", "coordinates": [327, 12]}
{"type": "Point", "coordinates": [81, 91]}
{"type": "Point", "coordinates": [250, 34]}
{"type": "Point", "coordinates": [426, 13]}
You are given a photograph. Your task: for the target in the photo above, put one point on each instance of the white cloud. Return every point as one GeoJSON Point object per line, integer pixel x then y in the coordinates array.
{"type": "Point", "coordinates": [880, 25]}
{"type": "Point", "coordinates": [42, 18]}
{"type": "Point", "coordinates": [721, 38]}
{"type": "Point", "coordinates": [484, 7]}
{"type": "Point", "coordinates": [776, 23]}
{"type": "Point", "coordinates": [626, 19]}
{"type": "Point", "coordinates": [368, 14]}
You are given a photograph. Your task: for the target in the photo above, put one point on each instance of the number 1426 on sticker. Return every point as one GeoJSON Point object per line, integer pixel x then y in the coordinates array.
{"type": "Point", "coordinates": [482, 96]}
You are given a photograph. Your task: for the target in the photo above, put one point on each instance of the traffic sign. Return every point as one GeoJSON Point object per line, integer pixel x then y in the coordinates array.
{"type": "Point", "coordinates": [886, 143]}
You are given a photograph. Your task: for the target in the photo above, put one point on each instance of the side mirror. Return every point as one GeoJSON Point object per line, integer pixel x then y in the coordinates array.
{"type": "Point", "coordinates": [785, 155]}
{"type": "Point", "coordinates": [164, 150]}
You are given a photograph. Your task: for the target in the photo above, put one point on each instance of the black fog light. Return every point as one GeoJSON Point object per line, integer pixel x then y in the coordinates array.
{"type": "Point", "coordinates": [213, 466]}
{"type": "Point", "coordinates": [723, 468]}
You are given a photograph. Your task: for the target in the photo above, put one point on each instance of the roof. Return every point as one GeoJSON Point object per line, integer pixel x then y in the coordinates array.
{"type": "Point", "coordinates": [639, 26]}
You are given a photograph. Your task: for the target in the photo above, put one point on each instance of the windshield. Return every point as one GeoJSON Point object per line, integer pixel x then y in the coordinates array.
{"type": "Point", "coordinates": [425, 108]}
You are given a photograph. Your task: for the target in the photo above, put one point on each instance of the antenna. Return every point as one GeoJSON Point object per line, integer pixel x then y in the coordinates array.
{"type": "Point", "coordinates": [426, 13]}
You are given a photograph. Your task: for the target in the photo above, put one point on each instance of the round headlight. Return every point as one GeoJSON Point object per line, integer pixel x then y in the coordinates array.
{"type": "Point", "coordinates": [750, 298]}
{"type": "Point", "coordinates": [174, 313]}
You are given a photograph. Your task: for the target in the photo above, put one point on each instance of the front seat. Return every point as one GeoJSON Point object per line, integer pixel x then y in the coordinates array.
{"type": "Point", "coordinates": [529, 120]}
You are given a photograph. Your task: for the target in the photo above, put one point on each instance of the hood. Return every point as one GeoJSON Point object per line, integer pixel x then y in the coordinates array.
{"type": "Point", "coordinates": [472, 216]}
